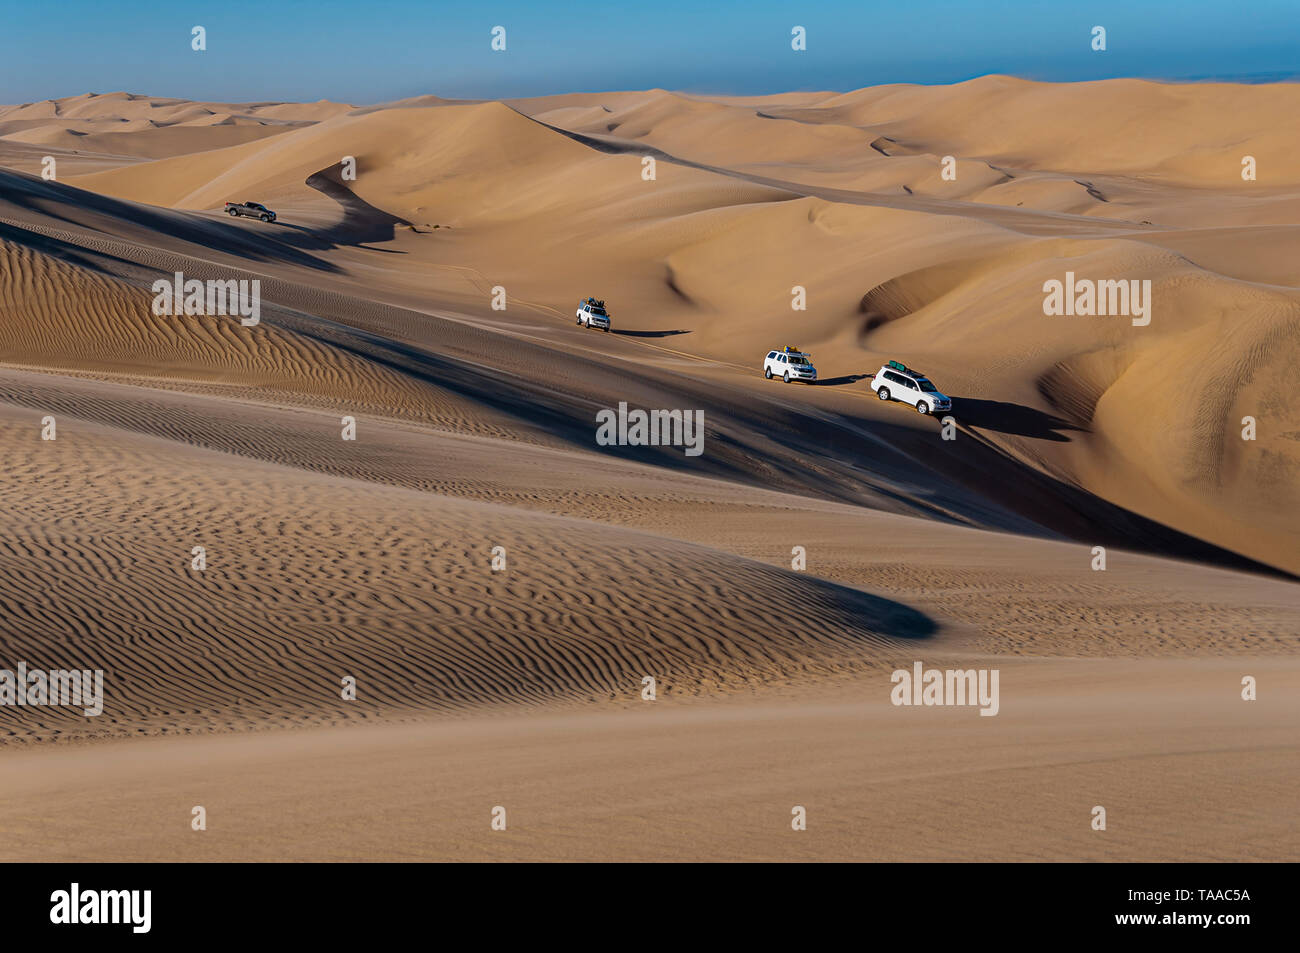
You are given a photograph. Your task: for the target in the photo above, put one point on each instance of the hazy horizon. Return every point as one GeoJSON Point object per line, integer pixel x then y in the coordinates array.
{"type": "Point", "coordinates": [1244, 79]}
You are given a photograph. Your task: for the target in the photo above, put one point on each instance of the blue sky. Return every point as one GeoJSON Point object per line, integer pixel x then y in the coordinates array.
{"type": "Point", "coordinates": [367, 51]}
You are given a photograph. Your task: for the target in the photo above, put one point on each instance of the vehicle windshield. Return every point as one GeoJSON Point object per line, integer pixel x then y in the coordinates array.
{"type": "Point", "coordinates": [797, 360]}
{"type": "Point", "coordinates": [926, 386]}
{"type": "Point", "coordinates": [594, 310]}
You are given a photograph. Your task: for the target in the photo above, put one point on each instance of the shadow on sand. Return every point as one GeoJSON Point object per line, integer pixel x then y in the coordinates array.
{"type": "Point", "coordinates": [1008, 418]}
{"type": "Point", "coordinates": [646, 334]}
{"type": "Point", "coordinates": [76, 209]}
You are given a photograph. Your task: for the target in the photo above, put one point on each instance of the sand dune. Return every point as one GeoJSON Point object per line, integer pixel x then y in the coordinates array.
{"type": "Point", "coordinates": [406, 576]}
{"type": "Point", "coordinates": [136, 127]}
{"type": "Point", "coordinates": [709, 781]}
{"type": "Point", "coordinates": [475, 429]}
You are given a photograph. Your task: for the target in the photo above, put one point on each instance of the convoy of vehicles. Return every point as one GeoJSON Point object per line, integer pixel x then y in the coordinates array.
{"type": "Point", "coordinates": [789, 364]}
{"type": "Point", "coordinates": [896, 381]}
{"type": "Point", "coordinates": [250, 210]}
{"type": "Point", "coordinates": [592, 314]}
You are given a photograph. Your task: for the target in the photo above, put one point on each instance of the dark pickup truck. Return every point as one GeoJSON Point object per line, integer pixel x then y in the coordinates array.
{"type": "Point", "coordinates": [251, 209]}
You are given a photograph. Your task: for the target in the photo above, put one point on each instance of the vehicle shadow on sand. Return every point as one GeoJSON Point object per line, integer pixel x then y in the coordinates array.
{"type": "Point", "coordinates": [310, 238]}
{"type": "Point", "coordinates": [1009, 418]}
{"type": "Point", "coordinates": [841, 381]}
{"type": "Point", "coordinates": [646, 334]}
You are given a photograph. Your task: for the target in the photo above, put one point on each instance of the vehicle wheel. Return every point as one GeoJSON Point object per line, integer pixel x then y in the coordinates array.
{"type": "Point", "coordinates": [233, 213]}
{"type": "Point", "coordinates": [606, 329]}
{"type": "Point", "coordinates": [786, 377]}
{"type": "Point", "coordinates": [883, 393]}
{"type": "Point", "coordinates": [921, 408]}
{"type": "Point", "coordinates": [767, 373]}
{"type": "Point", "coordinates": [265, 218]}
{"type": "Point", "coordinates": [579, 322]}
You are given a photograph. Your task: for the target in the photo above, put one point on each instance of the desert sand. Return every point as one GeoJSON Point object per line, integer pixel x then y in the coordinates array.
{"type": "Point", "coordinates": [475, 429]}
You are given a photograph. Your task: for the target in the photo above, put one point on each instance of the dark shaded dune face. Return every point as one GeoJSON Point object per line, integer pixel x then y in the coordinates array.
{"type": "Point", "coordinates": [361, 221]}
{"type": "Point", "coordinates": [50, 207]}
{"type": "Point", "coordinates": [309, 579]}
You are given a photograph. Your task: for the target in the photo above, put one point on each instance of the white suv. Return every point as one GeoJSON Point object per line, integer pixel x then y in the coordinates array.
{"type": "Point", "coordinates": [592, 314]}
{"type": "Point", "coordinates": [789, 364]}
{"type": "Point", "coordinates": [895, 381]}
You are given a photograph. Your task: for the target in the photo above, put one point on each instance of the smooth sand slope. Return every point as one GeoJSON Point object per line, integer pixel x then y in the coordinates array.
{"type": "Point", "coordinates": [1161, 749]}
{"type": "Point", "coordinates": [475, 429]}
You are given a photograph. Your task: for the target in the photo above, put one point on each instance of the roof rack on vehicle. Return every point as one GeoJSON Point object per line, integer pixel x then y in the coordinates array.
{"type": "Point", "coordinates": [900, 366]}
